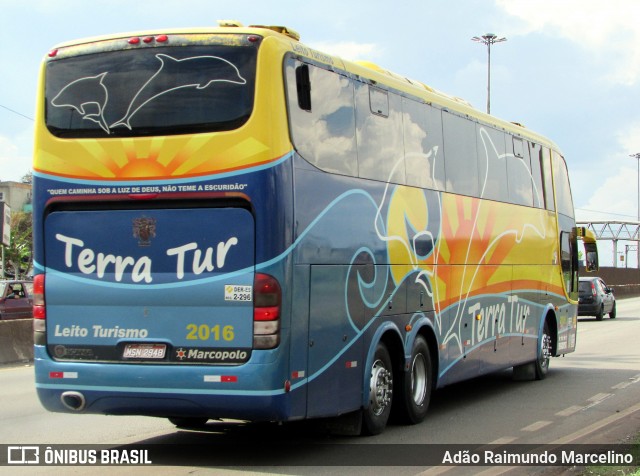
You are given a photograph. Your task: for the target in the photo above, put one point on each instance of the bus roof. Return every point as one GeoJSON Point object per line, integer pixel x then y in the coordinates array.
{"type": "Point", "coordinates": [363, 69]}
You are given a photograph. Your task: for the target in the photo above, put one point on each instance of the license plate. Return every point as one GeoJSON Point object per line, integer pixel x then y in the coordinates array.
{"type": "Point", "coordinates": [144, 351]}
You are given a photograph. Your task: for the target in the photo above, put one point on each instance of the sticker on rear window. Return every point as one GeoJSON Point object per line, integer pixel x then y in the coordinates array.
{"type": "Point", "coordinates": [238, 293]}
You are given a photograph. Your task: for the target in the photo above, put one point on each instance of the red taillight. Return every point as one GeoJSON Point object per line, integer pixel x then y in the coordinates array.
{"type": "Point", "coordinates": [39, 310]}
{"type": "Point", "coordinates": [593, 289]}
{"type": "Point", "coordinates": [267, 299]}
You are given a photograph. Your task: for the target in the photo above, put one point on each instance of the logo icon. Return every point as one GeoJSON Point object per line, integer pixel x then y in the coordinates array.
{"type": "Point", "coordinates": [144, 229]}
{"type": "Point", "coordinates": [23, 455]}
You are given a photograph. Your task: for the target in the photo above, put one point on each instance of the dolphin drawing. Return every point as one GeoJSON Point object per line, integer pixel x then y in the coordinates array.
{"type": "Point", "coordinates": [88, 96]}
{"type": "Point", "coordinates": [195, 72]}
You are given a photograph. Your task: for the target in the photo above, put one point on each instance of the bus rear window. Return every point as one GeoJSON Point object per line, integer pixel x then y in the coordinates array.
{"type": "Point", "coordinates": [151, 91]}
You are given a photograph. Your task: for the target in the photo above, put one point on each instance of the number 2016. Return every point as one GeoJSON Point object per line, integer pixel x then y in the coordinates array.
{"type": "Point", "coordinates": [204, 332]}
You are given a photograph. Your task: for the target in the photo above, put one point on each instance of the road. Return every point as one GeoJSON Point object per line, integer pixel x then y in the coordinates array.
{"type": "Point", "coordinates": [589, 396]}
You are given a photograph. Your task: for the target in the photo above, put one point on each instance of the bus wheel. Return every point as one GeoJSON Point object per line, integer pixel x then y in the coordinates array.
{"type": "Point", "coordinates": [545, 353]}
{"type": "Point", "coordinates": [188, 422]}
{"type": "Point", "coordinates": [376, 415]}
{"type": "Point", "coordinates": [417, 383]}
{"type": "Point", "coordinates": [600, 313]}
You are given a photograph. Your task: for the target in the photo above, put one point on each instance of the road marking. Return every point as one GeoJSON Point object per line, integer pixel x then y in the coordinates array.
{"type": "Point", "coordinates": [570, 411]}
{"type": "Point", "coordinates": [597, 399]}
{"type": "Point", "coordinates": [536, 426]}
{"type": "Point", "coordinates": [597, 425]}
{"type": "Point", "coordinates": [631, 381]}
{"type": "Point", "coordinates": [505, 440]}
{"type": "Point", "coordinates": [600, 397]}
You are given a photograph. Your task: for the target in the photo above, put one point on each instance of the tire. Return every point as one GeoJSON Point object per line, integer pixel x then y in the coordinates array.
{"type": "Point", "coordinates": [545, 351]}
{"type": "Point", "coordinates": [416, 384]}
{"type": "Point", "coordinates": [376, 414]}
{"type": "Point", "coordinates": [600, 313]}
{"type": "Point", "coordinates": [612, 314]}
{"type": "Point", "coordinates": [188, 422]}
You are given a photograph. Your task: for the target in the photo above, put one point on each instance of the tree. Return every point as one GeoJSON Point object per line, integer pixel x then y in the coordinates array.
{"type": "Point", "coordinates": [19, 255]}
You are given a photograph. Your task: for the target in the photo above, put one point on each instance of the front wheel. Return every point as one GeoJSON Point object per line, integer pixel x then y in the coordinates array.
{"type": "Point", "coordinates": [376, 415]}
{"type": "Point", "coordinates": [417, 383]}
{"type": "Point", "coordinates": [612, 314]}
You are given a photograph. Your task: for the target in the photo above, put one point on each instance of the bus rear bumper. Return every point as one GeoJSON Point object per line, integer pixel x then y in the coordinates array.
{"type": "Point", "coordinates": [164, 391]}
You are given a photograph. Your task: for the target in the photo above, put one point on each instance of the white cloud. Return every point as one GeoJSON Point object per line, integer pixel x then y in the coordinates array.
{"type": "Point", "coordinates": [608, 30]}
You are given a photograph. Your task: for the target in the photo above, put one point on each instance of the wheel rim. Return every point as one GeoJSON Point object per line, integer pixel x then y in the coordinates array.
{"type": "Point", "coordinates": [418, 379]}
{"type": "Point", "coordinates": [545, 353]}
{"type": "Point", "coordinates": [380, 389]}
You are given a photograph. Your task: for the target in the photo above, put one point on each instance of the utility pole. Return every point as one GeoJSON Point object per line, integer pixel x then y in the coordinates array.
{"type": "Point", "coordinates": [488, 39]}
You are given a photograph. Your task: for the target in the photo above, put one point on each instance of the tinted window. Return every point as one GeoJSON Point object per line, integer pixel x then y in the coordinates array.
{"type": "Point", "coordinates": [379, 137]}
{"type": "Point", "coordinates": [422, 126]}
{"type": "Point", "coordinates": [151, 91]}
{"type": "Point", "coordinates": [536, 174]}
{"type": "Point", "coordinates": [325, 134]}
{"type": "Point", "coordinates": [519, 172]}
{"type": "Point", "coordinates": [563, 190]}
{"type": "Point", "coordinates": [461, 155]}
{"type": "Point", "coordinates": [548, 182]}
{"type": "Point", "coordinates": [492, 164]}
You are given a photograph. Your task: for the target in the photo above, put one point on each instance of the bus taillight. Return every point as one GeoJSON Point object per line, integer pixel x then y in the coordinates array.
{"type": "Point", "coordinates": [267, 299]}
{"type": "Point", "coordinates": [39, 310]}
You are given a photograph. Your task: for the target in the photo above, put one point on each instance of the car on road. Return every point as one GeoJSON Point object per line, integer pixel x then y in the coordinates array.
{"type": "Point", "coordinates": [596, 298]}
{"type": "Point", "coordinates": [16, 301]}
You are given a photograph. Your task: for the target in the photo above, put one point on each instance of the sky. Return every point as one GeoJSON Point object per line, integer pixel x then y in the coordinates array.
{"type": "Point", "coordinates": [570, 69]}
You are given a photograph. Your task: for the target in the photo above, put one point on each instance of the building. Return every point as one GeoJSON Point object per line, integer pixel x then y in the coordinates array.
{"type": "Point", "coordinates": [17, 195]}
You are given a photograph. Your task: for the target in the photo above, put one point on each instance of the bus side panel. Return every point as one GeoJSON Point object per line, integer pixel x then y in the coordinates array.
{"type": "Point", "coordinates": [335, 344]}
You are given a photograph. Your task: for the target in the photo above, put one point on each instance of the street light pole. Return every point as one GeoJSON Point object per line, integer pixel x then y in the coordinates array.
{"type": "Point", "coordinates": [637, 156]}
{"type": "Point", "coordinates": [488, 39]}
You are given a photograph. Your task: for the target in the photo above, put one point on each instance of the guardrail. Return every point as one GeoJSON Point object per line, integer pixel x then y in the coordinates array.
{"type": "Point", "coordinates": [16, 341]}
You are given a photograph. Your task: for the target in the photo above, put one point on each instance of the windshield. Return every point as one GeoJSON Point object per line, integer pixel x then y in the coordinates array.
{"type": "Point", "coordinates": [151, 91]}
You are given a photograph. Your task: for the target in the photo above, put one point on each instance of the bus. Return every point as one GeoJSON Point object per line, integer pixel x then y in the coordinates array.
{"type": "Point", "coordinates": [229, 224]}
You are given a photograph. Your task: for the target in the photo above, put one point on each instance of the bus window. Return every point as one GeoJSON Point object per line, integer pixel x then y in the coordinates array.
{"type": "Point", "coordinates": [324, 134]}
{"type": "Point", "coordinates": [379, 102]}
{"type": "Point", "coordinates": [518, 170]}
{"type": "Point", "coordinates": [561, 179]}
{"type": "Point", "coordinates": [379, 137]}
{"type": "Point", "coordinates": [461, 155]}
{"type": "Point", "coordinates": [536, 174]}
{"type": "Point", "coordinates": [133, 92]}
{"type": "Point", "coordinates": [545, 161]}
{"type": "Point", "coordinates": [492, 164]}
{"type": "Point", "coordinates": [422, 128]}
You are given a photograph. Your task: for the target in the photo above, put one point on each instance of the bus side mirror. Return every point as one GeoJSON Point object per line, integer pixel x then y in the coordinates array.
{"type": "Point", "coordinates": [592, 257]}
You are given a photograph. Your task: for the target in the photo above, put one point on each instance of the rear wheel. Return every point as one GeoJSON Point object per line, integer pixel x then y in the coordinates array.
{"type": "Point", "coordinates": [376, 415]}
{"type": "Point", "coordinates": [612, 314]}
{"type": "Point", "coordinates": [545, 351]}
{"type": "Point", "coordinates": [600, 313]}
{"type": "Point", "coordinates": [417, 383]}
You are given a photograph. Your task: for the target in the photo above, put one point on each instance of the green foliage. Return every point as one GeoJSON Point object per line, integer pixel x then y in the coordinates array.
{"type": "Point", "coordinates": [19, 256]}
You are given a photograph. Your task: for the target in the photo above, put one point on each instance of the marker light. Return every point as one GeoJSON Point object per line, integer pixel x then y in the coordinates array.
{"type": "Point", "coordinates": [162, 38]}
{"type": "Point", "coordinates": [133, 41]}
